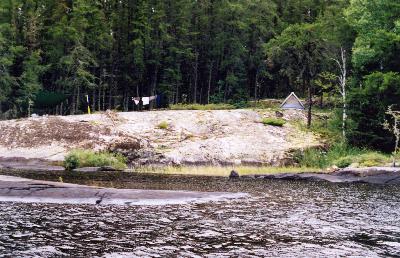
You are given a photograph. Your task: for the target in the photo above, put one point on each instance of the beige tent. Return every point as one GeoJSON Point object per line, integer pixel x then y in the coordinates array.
{"type": "Point", "coordinates": [292, 102]}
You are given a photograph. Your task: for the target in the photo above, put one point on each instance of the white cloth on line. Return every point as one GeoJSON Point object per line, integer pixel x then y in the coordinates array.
{"type": "Point", "coordinates": [153, 97]}
{"type": "Point", "coordinates": [136, 100]}
{"type": "Point", "coordinates": [146, 101]}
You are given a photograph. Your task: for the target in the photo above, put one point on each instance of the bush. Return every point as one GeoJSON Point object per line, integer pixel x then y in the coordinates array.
{"type": "Point", "coordinates": [163, 125]}
{"type": "Point", "coordinates": [341, 155]}
{"type": "Point", "coordinates": [273, 121]}
{"type": "Point", "coordinates": [71, 162]}
{"type": "Point", "coordinates": [372, 159]}
{"type": "Point", "coordinates": [221, 106]}
{"type": "Point", "coordinates": [311, 158]}
{"type": "Point", "coordinates": [88, 158]}
{"type": "Point", "coordinates": [344, 162]}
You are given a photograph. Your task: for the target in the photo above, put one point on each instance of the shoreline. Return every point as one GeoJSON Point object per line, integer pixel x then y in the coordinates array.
{"type": "Point", "coordinates": [16, 189]}
{"type": "Point", "coordinates": [371, 175]}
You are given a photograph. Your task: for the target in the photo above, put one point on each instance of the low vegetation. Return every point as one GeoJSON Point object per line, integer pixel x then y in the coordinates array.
{"type": "Point", "coordinates": [221, 106]}
{"type": "Point", "coordinates": [88, 158]}
{"type": "Point", "coordinates": [273, 121]}
{"type": "Point", "coordinates": [223, 170]}
{"type": "Point", "coordinates": [163, 125]}
{"type": "Point", "coordinates": [341, 155]}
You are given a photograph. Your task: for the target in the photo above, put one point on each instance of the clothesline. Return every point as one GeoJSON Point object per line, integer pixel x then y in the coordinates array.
{"type": "Point", "coordinates": [145, 100]}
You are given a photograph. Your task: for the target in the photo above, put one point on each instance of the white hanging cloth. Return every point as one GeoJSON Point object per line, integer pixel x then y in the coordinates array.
{"type": "Point", "coordinates": [146, 101]}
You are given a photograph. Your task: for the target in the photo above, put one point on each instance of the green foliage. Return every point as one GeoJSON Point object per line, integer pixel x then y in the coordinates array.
{"type": "Point", "coordinates": [163, 125]}
{"type": "Point", "coordinates": [377, 43]}
{"type": "Point", "coordinates": [88, 158]}
{"type": "Point", "coordinates": [220, 106]}
{"type": "Point", "coordinates": [367, 159]}
{"type": "Point", "coordinates": [341, 155]}
{"type": "Point", "coordinates": [191, 51]}
{"type": "Point", "coordinates": [372, 159]}
{"type": "Point", "coordinates": [344, 162]}
{"type": "Point", "coordinates": [368, 106]}
{"type": "Point", "coordinates": [71, 161]}
{"type": "Point", "coordinates": [327, 124]}
{"type": "Point", "coordinates": [273, 121]}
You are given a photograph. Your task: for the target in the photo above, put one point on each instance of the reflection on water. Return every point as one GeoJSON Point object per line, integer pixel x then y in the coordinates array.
{"type": "Point", "coordinates": [278, 219]}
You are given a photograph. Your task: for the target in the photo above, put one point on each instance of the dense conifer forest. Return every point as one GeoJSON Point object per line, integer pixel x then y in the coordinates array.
{"type": "Point", "coordinates": [54, 53]}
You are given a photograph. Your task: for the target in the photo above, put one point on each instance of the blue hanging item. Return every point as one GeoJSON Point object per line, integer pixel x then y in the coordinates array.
{"type": "Point", "coordinates": [158, 100]}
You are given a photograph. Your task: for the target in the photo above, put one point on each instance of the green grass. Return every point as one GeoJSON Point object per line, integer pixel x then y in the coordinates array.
{"type": "Point", "coordinates": [273, 121]}
{"type": "Point", "coordinates": [163, 125]}
{"type": "Point", "coordinates": [89, 158]}
{"type": "Point", "coordinates": [221, 106]}
{"type": "Point", "coordinates": [340, 155]}
{"type": "Point", "coordinates": [223, 170]}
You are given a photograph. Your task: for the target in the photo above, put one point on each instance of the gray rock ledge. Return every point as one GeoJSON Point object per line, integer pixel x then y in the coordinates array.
{"type": "Point", "coordinates": [374, 175]}
{"type": "Point", "coordinates": [15, 189]}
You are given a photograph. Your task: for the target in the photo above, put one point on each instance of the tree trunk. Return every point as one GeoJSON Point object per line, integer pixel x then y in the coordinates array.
{"type": "Point", "coordinates": [78, 96]}
{"type": "Point", "coordinates": [110, 99]}
{"type": "Point", "coordinates": [94, 100]}
{"type": "Point", "coordinates": [209, 83]}
{"type": "Point", "coordinates": [99, 98]}
{"type": "Point", "coordinates": [309, 115]}
{"type": "Point", "coordinates": [73, 104]}
{"type": "Point", "coordinates": [321, 101]}
{"type": "Point", "coordinates": [104, 99]}
{"type": "Point", "coordinates": [344, 114]}
{"type": "Point", "coordinates": [342, 64]}
{"type": "Point", "coordinates": [176, 100]}
{"type": "Point", "coordinates": [196, 68]}
{"type": "Point", "coordinates": [153, 86]}
{"type": "Point", "coordinates": [256, 87]}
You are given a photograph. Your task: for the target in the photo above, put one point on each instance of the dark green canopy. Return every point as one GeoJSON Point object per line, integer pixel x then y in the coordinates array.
{"type": "Point", "coordinates": [47, 99]}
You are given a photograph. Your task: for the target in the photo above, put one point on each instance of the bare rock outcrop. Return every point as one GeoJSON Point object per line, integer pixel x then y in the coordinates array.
{"type": "Point", "coordinates": [190, 137]}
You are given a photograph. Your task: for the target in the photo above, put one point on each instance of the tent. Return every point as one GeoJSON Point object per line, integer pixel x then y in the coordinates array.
{"type": "Point", "coordinates": [292, 102]}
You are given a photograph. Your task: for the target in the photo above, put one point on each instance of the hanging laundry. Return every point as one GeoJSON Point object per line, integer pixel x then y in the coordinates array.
{"type": "Point", "coordinates": [153, 97]}
{"type": "Point", "coordinates": [146, 101]}
{"type": "Point", "coordinates": [136, 100]}
{"type": "Point", "coordinates": [158, 101]}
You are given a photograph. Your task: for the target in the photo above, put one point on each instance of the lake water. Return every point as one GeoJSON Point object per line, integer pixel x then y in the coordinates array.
{"type": "Point", "coordinates": [279, 218]}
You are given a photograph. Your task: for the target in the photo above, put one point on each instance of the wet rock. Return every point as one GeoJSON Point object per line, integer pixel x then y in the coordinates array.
{"type": "Point", "coordinates": [88, 169]}
{"type": "Point", "coordinates": [279, 114]}
{"type": "Point", "coordinates": [14, 189]}
{"type": "Point", "coordinates": [348, 175]}
{"type": "Point", "coordinates": [234, 175]}
{"type": "Point", "coordinates": [109, 168]}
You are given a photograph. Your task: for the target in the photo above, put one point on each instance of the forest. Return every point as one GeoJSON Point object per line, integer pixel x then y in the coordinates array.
{"type": "Point", "coordinates": [55, 53]}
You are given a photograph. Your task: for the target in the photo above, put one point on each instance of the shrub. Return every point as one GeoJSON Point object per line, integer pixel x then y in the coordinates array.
{"type": "Point", "coordinates": [344, 162]}
{"type": "Point", "coordinates": [341, 155]}
{"type": "Point", "coordinates": [311, 158]}
{"type": "Point", "coordinates": [372, 159]}
{"type": "Point", "coordinates": [88, 158]}
{"type": "Point", "coordinates": [71, 162]}
{"type": "Point", "coordinates": [163, 125]}
{"type": "Point", "coordinates": [221, 106]}
{"type": "Point", "coordinates": [273, 121]}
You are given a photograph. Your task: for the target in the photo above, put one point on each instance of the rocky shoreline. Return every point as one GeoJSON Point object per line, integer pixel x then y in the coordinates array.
{"type": "Point", "coordinates": [373, 175]}
{"type": "Point", "coordinates": [16, 189]}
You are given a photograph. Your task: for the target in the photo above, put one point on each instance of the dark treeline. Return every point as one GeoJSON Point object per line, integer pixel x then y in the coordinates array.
{"type": "Point", "coordinates": [201, 51]}
{"type": "Point", "coordinates": [195, 51]}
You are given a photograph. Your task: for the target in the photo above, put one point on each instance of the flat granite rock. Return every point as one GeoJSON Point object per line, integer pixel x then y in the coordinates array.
{"type": "Point", "coordinates": [375, 175]}
{"type": "Point", "coordinates": [15, 189]}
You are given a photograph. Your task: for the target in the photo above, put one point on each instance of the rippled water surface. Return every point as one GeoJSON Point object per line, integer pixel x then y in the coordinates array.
{"type": "Point", "coordinates": [279, 218]}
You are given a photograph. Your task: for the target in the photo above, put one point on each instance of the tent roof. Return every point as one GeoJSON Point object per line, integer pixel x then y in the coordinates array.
{"type": "Point", "coordinates": [292, 95]}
